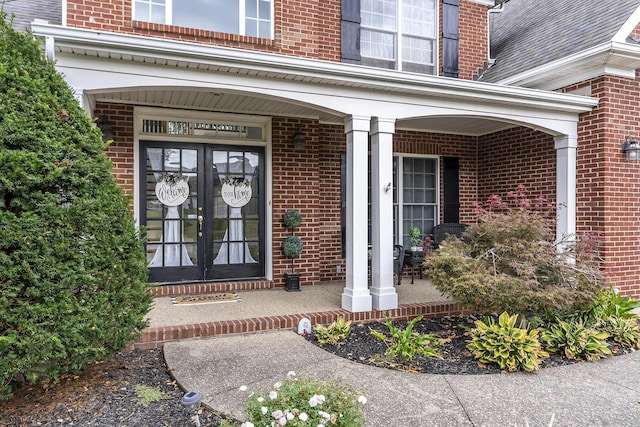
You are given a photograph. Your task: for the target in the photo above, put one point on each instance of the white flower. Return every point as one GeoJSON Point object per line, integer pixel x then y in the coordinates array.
{"type": "Point", "coordinates": [282, 421]}
{"type": "Point", "coordinates": [273, 395]}
{"type": "Point", "coordinates": [260, 399]}
{"type": "Point", "coordinates": [290, 416]}
{"type": "Point", "coordinates": [277, 385]}
{"type": "Point", "coordinates": [303, 416]}
{"type": "Point", "coordinates": [264, 410]}
{"type": "Point", "coordinates": [316, 400]}
{"type": "Point", "coordinates": [362, 400]}
{"type": "Point", "coordinates": [243, 388]}
{"type": "Point", "coordinates": [247, 424]}
{"type": "Point", "coordinates": [320, 425]}
{"type": "Point", "coordinates": [324, 415]}
{"type": "Point", "coordinates": [291, 374]}
{"type": "Point", "coordinates": [277, 414]}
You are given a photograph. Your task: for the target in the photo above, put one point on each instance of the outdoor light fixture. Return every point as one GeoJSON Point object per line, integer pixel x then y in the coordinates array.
{"type": "Point", "coordinates": [104, 125]}
{"type": "Point", "coordinates": [631, 149]}
{"type": "Point", "coordinates": [299, 143]}
{"type": "Point", "coordinates": [191, 401]}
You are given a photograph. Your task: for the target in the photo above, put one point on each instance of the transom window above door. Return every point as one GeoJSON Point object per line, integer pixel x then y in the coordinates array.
{"type": "Point", "coordinates": [399, 34]}
{"type": "Point", "coordinates": [244, 17]}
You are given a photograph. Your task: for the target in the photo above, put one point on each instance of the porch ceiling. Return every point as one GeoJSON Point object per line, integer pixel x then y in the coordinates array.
{"type": "Point", "coordinates": [207, 100]}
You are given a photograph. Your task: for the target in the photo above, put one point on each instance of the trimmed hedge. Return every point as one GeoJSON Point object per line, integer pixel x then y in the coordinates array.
{"type": "Point", "coordinates": [73, 275]}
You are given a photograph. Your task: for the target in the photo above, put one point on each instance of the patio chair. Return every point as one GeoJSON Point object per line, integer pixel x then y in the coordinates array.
{"type": "Point", "coordinates": [441, 231]}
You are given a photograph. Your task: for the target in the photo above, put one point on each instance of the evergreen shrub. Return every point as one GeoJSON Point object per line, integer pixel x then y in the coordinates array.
{"type": "Point", "coordinates": [73, 275]}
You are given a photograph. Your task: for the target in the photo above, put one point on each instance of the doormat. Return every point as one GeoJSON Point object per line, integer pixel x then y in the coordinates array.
{"type": "Point", "coordinates": [205, 298]}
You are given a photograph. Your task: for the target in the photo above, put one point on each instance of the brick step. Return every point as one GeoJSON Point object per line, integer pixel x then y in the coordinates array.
{"type": "Point", "coordinates": [157, 337]}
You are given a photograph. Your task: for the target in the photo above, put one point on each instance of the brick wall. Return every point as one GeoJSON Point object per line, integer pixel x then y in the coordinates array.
{"type": "Point", "coordinates": [517, 156]}
{"type": "Point", "coordinates": [120, 151]}
{"type": "Point", "coordinates": [302, 28]}
{"type": "Point", "coordinates": [473, 38]}
{"type": "Point", "coordinates": [296, 186]}
{"type": "Point", "coordinates": [608, 185]}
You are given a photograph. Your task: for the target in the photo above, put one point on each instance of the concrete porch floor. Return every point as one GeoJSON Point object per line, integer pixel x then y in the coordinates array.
{"type": "Point", "coordinates": [274, 309]}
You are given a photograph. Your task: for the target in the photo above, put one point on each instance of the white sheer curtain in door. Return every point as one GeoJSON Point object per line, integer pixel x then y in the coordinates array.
{"type": "Point", "coordinates": [169, 253]}
{"type": "Point", "coordinates": [234, 250]}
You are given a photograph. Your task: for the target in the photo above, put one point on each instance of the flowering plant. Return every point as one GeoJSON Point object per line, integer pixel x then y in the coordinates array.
{"type": "Point", "coordinates": [301, 401]}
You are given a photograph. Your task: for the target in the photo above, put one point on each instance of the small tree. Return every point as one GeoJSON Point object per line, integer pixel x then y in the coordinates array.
{"type": "Point", "coordinates": [509, 261]}
{"type": "Point", "coordinates": [73, 276]}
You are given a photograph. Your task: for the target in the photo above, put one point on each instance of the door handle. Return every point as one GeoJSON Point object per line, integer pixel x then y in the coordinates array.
{"type": "Point", "coordinates": [200, 220]}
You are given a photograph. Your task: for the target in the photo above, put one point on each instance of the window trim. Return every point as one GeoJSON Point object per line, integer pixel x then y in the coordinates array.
{"type": "Point", "coordinates": [168, 17]}
{"type": "Point", "coordinates": [398, 36]}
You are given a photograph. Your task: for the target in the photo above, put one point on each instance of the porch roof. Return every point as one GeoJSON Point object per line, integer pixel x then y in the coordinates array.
{"type": "Point", "coordinates": [140, 70]}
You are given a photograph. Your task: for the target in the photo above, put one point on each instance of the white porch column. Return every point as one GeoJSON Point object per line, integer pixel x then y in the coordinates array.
{"type": "Point", "coordinates": [356, 296]}
{"type": "Point", "coordinates": [566, 185]}
{"type": "Point", "coordinates": [383, 293]}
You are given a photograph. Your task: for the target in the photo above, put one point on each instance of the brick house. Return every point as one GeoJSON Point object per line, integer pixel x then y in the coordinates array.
{"type": "Point", "coordinates": [402, 112]}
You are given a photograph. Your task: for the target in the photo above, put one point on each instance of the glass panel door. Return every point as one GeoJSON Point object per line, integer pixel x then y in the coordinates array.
{"type": "Point", "coordinates": [170, 213]}
{"type": "Point", "coordinates": [237, 243]}
{"type": "Point", "coordinates": [203, 222]}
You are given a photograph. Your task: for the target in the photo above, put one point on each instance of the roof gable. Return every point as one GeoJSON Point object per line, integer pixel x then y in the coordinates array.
{"type": "Point", "coordinates": [526, 34]}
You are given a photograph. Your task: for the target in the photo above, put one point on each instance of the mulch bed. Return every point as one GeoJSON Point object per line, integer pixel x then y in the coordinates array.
{"type": "Point", "coordinates": [362, 347]}
{"type": "Point", "coordinates": [104, 395]}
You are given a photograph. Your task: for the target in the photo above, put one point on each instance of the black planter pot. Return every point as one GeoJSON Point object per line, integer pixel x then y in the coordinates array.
{"type": "Point", "coordinates": [292, 282]}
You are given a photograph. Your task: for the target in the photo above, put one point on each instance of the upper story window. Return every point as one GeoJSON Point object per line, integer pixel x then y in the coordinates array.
{"type": "Point", "coordinates": [244, 17]}
{"type": "Point", "coordinates": [399, 34]}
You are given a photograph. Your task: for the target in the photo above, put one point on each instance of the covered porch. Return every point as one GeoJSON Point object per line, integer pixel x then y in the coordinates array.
{"type": "Point", "coordinates": [261, 308]}
{"type": "Point", "coordinates": [369, 107]}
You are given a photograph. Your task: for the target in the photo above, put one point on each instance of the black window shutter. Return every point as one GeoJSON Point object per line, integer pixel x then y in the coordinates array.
{"type": "Point", "coordinates": [450, 37]}
{"type": "Point", "coordinates": [451, 189]}
{"type": "Point", "coordinates": [350, 31]}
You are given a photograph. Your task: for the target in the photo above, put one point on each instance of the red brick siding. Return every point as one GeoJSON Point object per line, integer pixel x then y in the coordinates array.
{"type": "Point", "coordinates": [296, 186]}
{"type": "Point", "coordinates": [120, 151]}
{"type": "Point", "coordinates": [309, 29]}
{"type": "Point", "coordinates": [608, 185]}
{"type": "Point", "coordinates": [517, 156]}
{"type": "Point", "coordinates": [473, 38]}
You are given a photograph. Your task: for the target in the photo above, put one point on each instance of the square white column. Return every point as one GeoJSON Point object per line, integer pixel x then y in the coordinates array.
{"type": "Point", "coordinates": [356, 296]}
{"type": "Point", "coordinates": [566, 146]}
{"type": "Point", "coordinates": [383, 293]}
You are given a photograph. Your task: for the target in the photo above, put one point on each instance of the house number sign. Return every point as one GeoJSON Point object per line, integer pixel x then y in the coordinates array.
{"type": "Point", "coordinates": [172, 192]}
{"type": "Point", "coordinates": [236, 194]}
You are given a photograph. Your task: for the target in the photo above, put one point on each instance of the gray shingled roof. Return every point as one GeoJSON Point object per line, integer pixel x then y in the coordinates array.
{"type": "Point", "coordinates": [531, 33]}
{"type": "Point", "coordinates": [25, 11]}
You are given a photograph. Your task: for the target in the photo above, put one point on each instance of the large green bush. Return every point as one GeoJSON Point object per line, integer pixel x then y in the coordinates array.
{"type": "Point", "coordinates": [73, 276]}
{"type": "Point", "coordinates": [509, 261]}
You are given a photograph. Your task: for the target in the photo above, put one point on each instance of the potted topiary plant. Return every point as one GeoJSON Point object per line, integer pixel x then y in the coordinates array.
{"type": "Point", "coordinates": [416, 241]}
{"type": "Point", "coordinates": [291, 248]}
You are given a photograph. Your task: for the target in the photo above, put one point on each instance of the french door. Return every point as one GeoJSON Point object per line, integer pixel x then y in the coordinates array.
{"type": "Point", "coordinates": [203, 210]}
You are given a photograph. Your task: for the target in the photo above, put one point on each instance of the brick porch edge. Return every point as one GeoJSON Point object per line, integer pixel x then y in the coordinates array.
{"type": "Point", "coordinates": [156, 337]}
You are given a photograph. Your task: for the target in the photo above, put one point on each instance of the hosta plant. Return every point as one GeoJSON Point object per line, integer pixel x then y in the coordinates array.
{"type": "Point", "coordinates": [334, 334]}
{"type": "Point", "coordinates": [625, 332]}
{"type": "Point", "coordinates": [575, 340]}
{"type": "Point", "coordinates": [510, 347]}
{"type": "Point", "coordinates": [302, 401]}
{"type": "Point", "coordinates": [404, 345]}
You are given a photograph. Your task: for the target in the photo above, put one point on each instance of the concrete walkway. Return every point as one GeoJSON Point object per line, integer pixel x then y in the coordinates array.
{"type": "Point", "coordinates": [603, 393]}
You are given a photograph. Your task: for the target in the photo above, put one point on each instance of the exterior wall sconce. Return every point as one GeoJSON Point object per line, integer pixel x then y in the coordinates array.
{"type": "Point", "coordinates": [104, 125]}
{"type": "Point", "coordinates": [299, 142]}
{"type": "Point", "coordinates": [631, 149]}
